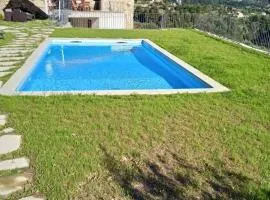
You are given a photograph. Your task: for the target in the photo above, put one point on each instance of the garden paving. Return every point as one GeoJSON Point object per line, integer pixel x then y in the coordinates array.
{"type": "Point", "coordinates": [2, 74]}
{"type": "Point", "coordinates": [7, 130]}
{"type": "Point", "coordinates": [2, 69]}
{"type": "Point", "coordinates": [15, 51]}
{"type": "Point", "coordinates": [11, 58]}
{"type": "Point", "coordinates": [11, 55]}
{"type": "Point", "coordinates": [3, 120]}
{"type": "Point", "coordinates": [17, 163]}
{"type": "Point", "coordinates": [11, 184]}
{"type": "Point", "coordinates": [32, 198]}
{"type": "Point", "coordinates": [10, 63]}
{"type": "Point", "coordinates": [9, 143]}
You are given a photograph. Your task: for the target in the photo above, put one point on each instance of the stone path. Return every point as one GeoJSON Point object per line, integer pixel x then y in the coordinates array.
{"type": "Point", "coordinates": [9, 184]}
{"type": "Point", "coordinates": [15, 53]}
{"type": "Point", "coordinates": [32, 198]}
{"type": "Point", "coordinates": [17, 163]}
{"type": "Point", "coordinates": [14, 183]}
{"type": "Point", "coordinates": [3, 120]}
{"type": "Point", "coordinates": [9, 143]}
{"type": "Point", "coordinates": [12, 56]}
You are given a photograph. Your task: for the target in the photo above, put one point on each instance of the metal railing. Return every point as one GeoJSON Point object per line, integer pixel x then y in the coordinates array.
{"type": "Point", "coordinates": [252, 31]}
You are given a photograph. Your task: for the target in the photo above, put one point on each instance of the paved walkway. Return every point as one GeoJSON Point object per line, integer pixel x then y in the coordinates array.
{"type": "Point", "coordinates": [12, 56]}
{"type": "Point", "coordinates": [11, 142]}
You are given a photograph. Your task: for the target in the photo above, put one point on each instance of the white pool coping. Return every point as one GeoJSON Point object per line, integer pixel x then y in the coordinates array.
{"type": "Point", "coordinates": [9, 88]}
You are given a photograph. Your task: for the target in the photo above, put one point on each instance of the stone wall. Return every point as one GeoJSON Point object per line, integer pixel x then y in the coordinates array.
{"type": "Point", "coordinates": [126, 6]}
{"type": "Point", "coordinates": [3, 4]}
{"type": "Point", "coordinates": [39, 3]}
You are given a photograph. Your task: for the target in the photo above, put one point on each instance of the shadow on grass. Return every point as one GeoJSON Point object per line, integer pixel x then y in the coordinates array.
{"type": "Point", "coordinates": [156, 179]}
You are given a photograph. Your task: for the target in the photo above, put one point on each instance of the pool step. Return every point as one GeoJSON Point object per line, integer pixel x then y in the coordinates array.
{"type": "Point", "coordinates": [119, 48]}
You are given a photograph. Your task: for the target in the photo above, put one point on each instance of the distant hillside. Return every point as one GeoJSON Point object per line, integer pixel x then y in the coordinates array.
{"type": "Point", "coordinates": [259, 3]}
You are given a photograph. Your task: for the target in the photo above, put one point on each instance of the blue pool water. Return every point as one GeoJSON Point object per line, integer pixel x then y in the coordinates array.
{"type": "Point", "coordinates": [75, 66]}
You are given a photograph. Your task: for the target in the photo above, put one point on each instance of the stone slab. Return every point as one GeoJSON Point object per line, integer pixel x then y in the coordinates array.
{"type": "Point", "coordinates": [18, 46]}
{"type": "Point", "coordinates": [10, 54]}
{"type": "Point", "coordinates": [9, 143]}
{"type": "Point", "coordinates": [2, 69]}
{"type": "Point", "coordinates": [8, 63]}
{"type": "Point", "coordinates": [14, 48]}
{"type": "Point", "coordinates": [17, 163]}
{"type": "Point", "coordinates": [3, 27]}
{"type": "Point", "coordinates": [1, 83]}
{"type": "Point", "coordinates": [12, 184]}
{"type": "Point", "coordinates": [16, 51]}
{"type": "Point", "coordinates": [7, 130]}
{"type": "Point", "coordinates": [3, 120]}
{"type": "Point", "coordinates": [11, 58]}
{"type": "Point", "coordinates": [32, 198]}
{"type": "Point", "coordinates": [3, 117]}
{"type": "Point", "coordinates": [2, 74]}
{"type": "Point", "coordinates": [12, 31]}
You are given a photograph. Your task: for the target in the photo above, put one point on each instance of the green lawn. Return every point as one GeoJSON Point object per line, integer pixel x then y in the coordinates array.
{"type": "Point", "coordinates": [7, 38]}
{"type": "Point", "coordinates": [186, 146]}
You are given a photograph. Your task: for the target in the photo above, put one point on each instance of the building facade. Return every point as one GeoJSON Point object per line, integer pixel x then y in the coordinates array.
{"type": "Point", "coordinates": [40, 3]}
{"type": "Point", "coordinates": [104, 14]}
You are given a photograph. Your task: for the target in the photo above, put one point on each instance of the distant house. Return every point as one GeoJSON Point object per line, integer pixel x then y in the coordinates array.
{"type": "Point", "coordinates": [40, 3]}
{"type": "Point", "coordinates": [105, 14]}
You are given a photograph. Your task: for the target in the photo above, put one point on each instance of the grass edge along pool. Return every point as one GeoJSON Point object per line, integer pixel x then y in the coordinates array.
{"type": "Point", "coordinates": [18, 79]}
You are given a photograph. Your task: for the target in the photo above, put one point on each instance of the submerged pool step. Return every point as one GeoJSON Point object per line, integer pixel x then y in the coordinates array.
{"type": "Point", "coordinates": [121, 48]}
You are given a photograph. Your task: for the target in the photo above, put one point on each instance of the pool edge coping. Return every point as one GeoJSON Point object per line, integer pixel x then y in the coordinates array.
{"type": "Point", "coordinates": [9, 88]}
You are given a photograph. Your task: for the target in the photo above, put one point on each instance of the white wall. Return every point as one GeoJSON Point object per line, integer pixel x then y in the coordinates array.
{"type": "Point", "coordinates": [106, 20]}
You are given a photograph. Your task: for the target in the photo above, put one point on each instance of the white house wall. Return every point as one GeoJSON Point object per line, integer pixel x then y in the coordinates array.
{"type": "Point", "coordinates": [106, 20]}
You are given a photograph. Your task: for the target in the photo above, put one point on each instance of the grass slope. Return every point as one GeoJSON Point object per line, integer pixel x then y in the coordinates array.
{"type": "Point", "coordinates": [7, 38]}
{"type": "Point", "coordinates": [203, 146]}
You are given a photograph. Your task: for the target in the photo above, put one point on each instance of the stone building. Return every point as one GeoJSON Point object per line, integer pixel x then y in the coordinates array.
{"type": "Point", "coordinates": [100, 13]}
{"type": "Point", "coordinates": [39, 3]}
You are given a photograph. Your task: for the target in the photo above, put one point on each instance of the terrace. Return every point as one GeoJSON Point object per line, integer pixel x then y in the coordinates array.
{"type": "Point", "coordinates": [182, 146]}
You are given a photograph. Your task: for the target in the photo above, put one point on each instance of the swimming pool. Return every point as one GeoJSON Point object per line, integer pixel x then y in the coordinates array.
{"type": "Point", "coordinates": [106, 66]}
